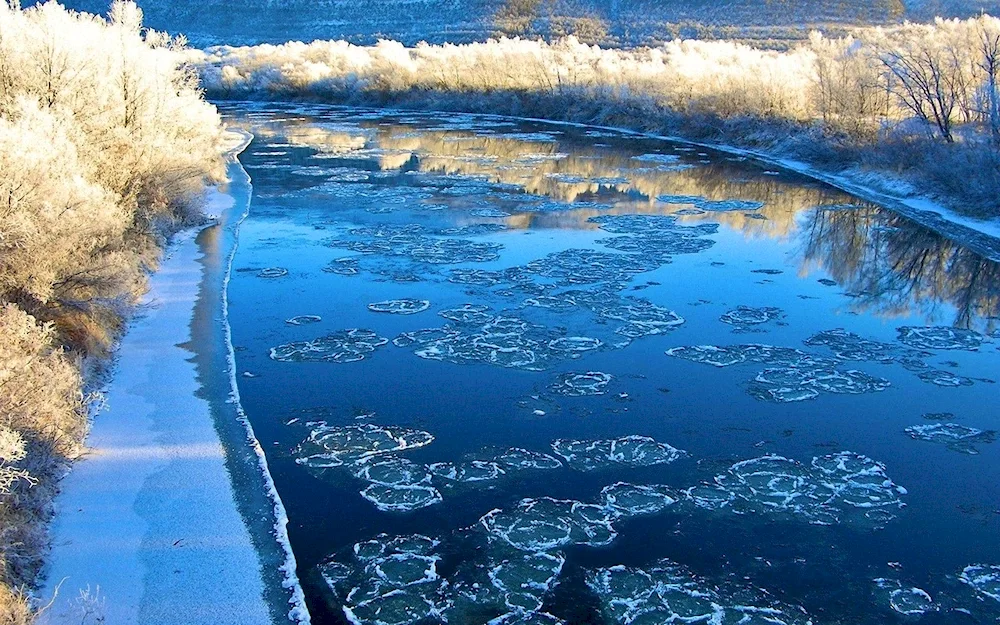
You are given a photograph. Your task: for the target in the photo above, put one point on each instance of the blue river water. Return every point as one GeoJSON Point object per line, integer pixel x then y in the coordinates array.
{"type": "Point", "coordinates": [517, 372]}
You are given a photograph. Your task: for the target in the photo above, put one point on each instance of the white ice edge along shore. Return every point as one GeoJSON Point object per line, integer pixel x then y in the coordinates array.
{"type": "Point", "coordinates": [298, 612]}
{"type": "Point", "coordinates": [149, 525]}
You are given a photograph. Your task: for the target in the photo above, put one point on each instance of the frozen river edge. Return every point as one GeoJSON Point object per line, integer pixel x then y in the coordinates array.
{"type": "Point", "coordinates": [171, 515]}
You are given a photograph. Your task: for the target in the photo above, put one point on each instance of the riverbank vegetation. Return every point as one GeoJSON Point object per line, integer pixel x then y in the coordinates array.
{"type": "Point", "coordinates": [912, 109]}
{"type": "Point", "coordinates": [106, 145]}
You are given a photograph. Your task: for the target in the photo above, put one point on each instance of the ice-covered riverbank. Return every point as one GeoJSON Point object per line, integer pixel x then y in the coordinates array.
{"type": "Point", "coordinates": [168, 518]}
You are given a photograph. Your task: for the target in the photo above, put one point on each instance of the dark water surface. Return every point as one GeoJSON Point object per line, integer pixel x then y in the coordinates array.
{"type": "Point", "coordinates": [558, 316]}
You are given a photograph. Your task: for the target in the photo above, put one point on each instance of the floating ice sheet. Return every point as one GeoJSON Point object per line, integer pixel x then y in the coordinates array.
{"type": "Point", "coordinates": [794, 375]}
{"type": "Point", "coordinates": [272, 272]}
{"type": "Point", "coordinates": [394, 582]}
{"type": "Point", "coordinates": [910, 601]}
{"type": "Point", "coordinates": [342, 346]}
{"type": "Point", "coordinates": [847, 345]}
{"type": "Point", "coordinates": [545, 524]}
{"type": "Point", "coordinates": [334, 446]}
{"type": "Point", "coordinates": [401, 498]}
{"type": "Point", "coordinates": [303, 320]}
{"type": "Point", "coordinates": [956, 437]}
{"type": "Point", "coordinates": [669, 593]}
{"type": "Point", "coordinates": [940, 377]}
{"type": "Point", "coordinates": [631, 451]}
{"type": "Point", "coordinates": [789, 384]}
{"type": "Point", "coordinates": [839, 488]}
{"type": "Point", "coordinates": [347, 266]}
{"type": "Point", "coordinates": [747, 318]}
{"type": "Point", "coordinates": [636, 499]}
{"type": "Point", "coordinates": [404, 306]}
{"type": "Point", "coordinates": [940, 337]}
{"type": "Point", "coordinates": [410, 241]}
{"type": "Point", "coordinates": [984, 579]}
{"type": "Point", "coordinates": [578, 384]}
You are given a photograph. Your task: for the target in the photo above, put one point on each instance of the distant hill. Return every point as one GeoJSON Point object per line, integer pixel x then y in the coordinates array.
{"type": "Point", "coordinates": [621, 22]}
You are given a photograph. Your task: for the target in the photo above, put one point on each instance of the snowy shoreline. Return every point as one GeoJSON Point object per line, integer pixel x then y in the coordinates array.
{"type": "Point", "coordinates": [150, 524]}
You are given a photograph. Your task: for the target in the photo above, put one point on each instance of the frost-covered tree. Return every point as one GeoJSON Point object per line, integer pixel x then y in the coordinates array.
{"type": "Point", "coordinates": [105, 145]}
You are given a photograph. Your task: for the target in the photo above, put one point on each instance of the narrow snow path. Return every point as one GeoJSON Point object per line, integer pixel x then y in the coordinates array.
{"type": "Point", "coordinates": [147, 526]}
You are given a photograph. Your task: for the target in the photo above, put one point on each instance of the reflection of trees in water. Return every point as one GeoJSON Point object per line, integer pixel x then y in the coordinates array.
{"type": "Point", "coordinates": [891, 264]}
{"type": "Point", "coordinates": [894, 265]}
{"type": "Point", "coordinates": [569, 169]}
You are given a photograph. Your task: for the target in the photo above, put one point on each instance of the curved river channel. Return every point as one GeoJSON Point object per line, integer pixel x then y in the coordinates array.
{"type": "Point", "coordinates": [514, 372]}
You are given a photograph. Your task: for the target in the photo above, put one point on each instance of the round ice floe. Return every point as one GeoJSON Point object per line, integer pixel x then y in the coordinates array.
{"type": "Point", "coordinates": [545, 524]}
{"type": "Point", "coordinates": [384, 544]}
{"type": "Point", "coordinates": [633, 451]}
{"type": "Point", "coordinates": [401, 606]}
{"type": "Point", "coordinates": [388, 498]}
{"type": "Point", "coordinates": [472, 471]}
{"type": "Point", "coordinates": [335, 574]}
{"type": "Point", "coordinates": [405, 306]}
{"type": "Point", "coordinates": [391, 471]}
{"type": "Point", "coordinates": [908, 601]}
{"type": "Point", "coordinates": [343, 346]}
{"type": "Point", "coordinates": [272, 272]}
{"type": "Point", "coordinates": [582, 266]}
{"type": "Point", "coordinates": [748, 316]}
{"type": "Point", "coordinates": [669, 593]}
{"type": "Point", "coordinates": [303, 319]}
{"type": "Point", "coordinates": [850, 346]}
{"type": "Point", "coordinates": [347, 266]}
{"type": "Point", "coordinates": [468, 313]}
{"type": "Point", "coordinates": [515, 459]}
{"type": "Point", "coordinates": [632, 499]}
{"type": "Point", "coordinates": [477, 277]}
{"type": "Point", "coordinates": [957, 437]}
{"type": "Point", "coordinates": [940, 337]}
{"type": "Point", "coordinates": [532, 573]}
{"type": "Point", "coordinates": [709, 354]}
{"type": "Point", "coordinates": [403, 569]}
{"type": "Point", "coordinates": [576, 384]}
{"type": "Point", "coordinates": [832, 489]}
{"type": "Point", "coordinates": [797, 383]}
{"type": "Point", "coordinates": [944, 378]}
{"type": "Point", "coordinates": [332, 446]}
{"type": "Point", "coordinates": [575, 344]}
{"type": "Point", "coordinates": [984, 579]}
{"type": "Point", "coordinates": [558, 303]}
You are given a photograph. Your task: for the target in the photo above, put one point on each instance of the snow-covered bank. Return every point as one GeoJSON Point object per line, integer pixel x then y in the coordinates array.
{"type": "Point", "coordinates": [149, 527]}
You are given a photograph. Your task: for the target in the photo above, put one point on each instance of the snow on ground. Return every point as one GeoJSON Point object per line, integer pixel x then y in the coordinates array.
{"type": "Point", "coordinates": [147, 529]}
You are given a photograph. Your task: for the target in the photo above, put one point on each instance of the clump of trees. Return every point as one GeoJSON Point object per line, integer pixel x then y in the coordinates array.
{"type": "Point", "coordinates": [106, 145]}
{"type": "Point", "coordinates": [916, 100]}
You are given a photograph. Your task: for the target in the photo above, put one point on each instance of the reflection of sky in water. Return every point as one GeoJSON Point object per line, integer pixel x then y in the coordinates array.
{"type": "Point", "coordinates": [538, 371]}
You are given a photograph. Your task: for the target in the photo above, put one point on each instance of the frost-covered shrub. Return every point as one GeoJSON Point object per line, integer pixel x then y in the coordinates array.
{"type": "Point", "coordinates": [838, 102]}
{"type": "Point", "coordinates": [104, 139]}
{"type": "Point", "coordinates": [106, 144]}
